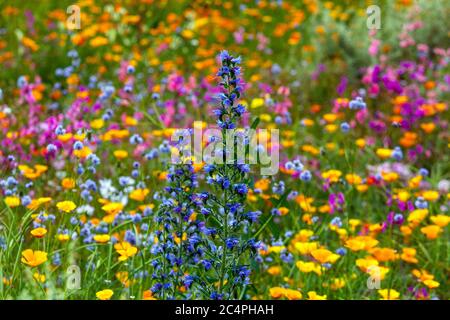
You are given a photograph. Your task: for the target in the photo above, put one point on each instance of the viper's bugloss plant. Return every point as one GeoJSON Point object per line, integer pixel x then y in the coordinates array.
{"type": "Point", "coordinates": [178, 244]}
{"type": "Point", "coordinates": [229, 245]}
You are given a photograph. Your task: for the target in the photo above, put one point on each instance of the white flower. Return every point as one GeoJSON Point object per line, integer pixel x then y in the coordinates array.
{"type": "Point", "coordinates": [87, 209]}
{"type": "Point", "coordinates": [106, 188]}
{"type": "Point", "coordinates": [120, 197]}
{"type": "Point", "coordinates": [443, 186]}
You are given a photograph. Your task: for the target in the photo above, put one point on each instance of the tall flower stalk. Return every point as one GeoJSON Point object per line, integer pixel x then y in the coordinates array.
{"type": "Point", "coordinates": [228, 243]}
{"type": "Point", "coordinates": [203, 257]}
{"type": "Point", "coordinates": [178, 241]}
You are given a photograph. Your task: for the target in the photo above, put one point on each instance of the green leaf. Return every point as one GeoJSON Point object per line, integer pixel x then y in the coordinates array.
{"type": "Point", "coordinates": [269, 220]}
{"type": "Point", "coordinates": [255, 123]}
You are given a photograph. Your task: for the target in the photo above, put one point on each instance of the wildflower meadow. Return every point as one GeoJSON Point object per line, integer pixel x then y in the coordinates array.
{"type": "Point", "coordinates": [224, 150]}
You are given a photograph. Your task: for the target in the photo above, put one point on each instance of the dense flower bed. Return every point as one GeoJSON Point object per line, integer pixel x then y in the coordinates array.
{"type": "Point", "coordinates": [92, 205]}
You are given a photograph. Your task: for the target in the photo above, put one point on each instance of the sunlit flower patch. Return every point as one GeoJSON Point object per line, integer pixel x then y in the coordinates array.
{"type": "Point", "coordinates": [352, 120]}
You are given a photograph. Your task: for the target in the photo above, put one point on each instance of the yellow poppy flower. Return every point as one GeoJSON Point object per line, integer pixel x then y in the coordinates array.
{"type": "Point", "coordinates": [293, 294]}
{"type": "Point", "coordinates": [312, 295]}
{"type": "Point", "coordinates": [384, 254]}
{"type": "Point", "coordinates": [332, 175]}
{"type": "Point", "coordinates": [308, 267]}
{"type": "Point", "coordinates": [68, 183]}
{"type": "Point", "coordinates": [353, 179]}
{"type": "Point", "coordinates": [440, 220]}
{"type": "Point", "coordinates": [148, 295]}
{"type": "Point", "coordinates": [113, 208]}
{"type": "Point", "coordinates": [256, 103]}
{"type": "Point", "coordinates": [409, 255]}
{"type": "Point", "coordinates": [277, 292]}
{"type": "Point", "coordinates": [303, 235]}
{"type": "Point", "coordinates": [139, 194]}
{"type": "Point", "coordinates": [33, 258]}
{"type": "Point", "coordinates": [416, 217]}
{"type": "Point", "coordinates": [274, 270]}
{"type": "Point", "coordinates": [361, 243]}
{"type": "Point", "coordinates": [120, 154]}
{"type": "Point", "coordinates": [337, 283]}
{"type": "Point", "coordinates": [431, 284]}
{"type": "Point", "coordinates": [39, 277]}
{"type": "Point", "coordinates": [422, 275]}
{"type": "Point", "coordinates": [324, 256]}
{"type": "Point", "coordinates": [306, 247]}
{"type": "Point", "coordinates": [366, 263]}
{"type": "Point", "coordinates": [104, 294]}
{"type": "Point", "coordinates": [66, 206]}
{"type": "Point", "coordinates": [97, 123]}
{"type": "Point", "coordinates": [430, 195]}
{"type": "Point", "coordinates": [125, 250]}
{"type": "Point", "coordinates": [36, 203]}
{"type": "Point", "coordinates": [389, 294]}
{"type": "Point", "coordinates": [12, 202]}
{"type": "Point", "coordinates": [63, 237]}
{"type": "Point", "coordinates": [384, 153]}
{"type": "Point", "coordinates": [431, 231]}
{"type": "Point", "coordinates": [38, 232]}
{"type": "Point", "coordinates": [98, 41]}
{"type": "Point", "coordinates": [275, 249]}
{"type": "Point", "coordinates": [102, 238]}
{"type": "Point", "coordinates": [83, 153]}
